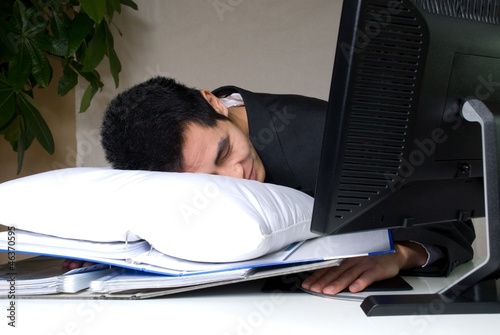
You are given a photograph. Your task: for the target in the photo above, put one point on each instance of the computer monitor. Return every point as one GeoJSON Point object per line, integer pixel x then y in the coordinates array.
{"type": "Point", "coordinates": [398, 149]}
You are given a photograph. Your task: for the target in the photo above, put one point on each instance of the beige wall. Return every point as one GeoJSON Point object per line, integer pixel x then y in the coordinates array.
{"type": "Point", "coordinates": [279, 46]}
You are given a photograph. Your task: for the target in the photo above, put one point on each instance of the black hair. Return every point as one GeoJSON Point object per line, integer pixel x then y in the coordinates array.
{"type": "Point", "coordinates": [142, 128]}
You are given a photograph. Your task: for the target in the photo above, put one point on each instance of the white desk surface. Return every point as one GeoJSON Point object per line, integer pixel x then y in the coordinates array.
{"type": "Point", "coordinates": [234, 309]}
{"type": "Point", "coordinates": [243, 309]}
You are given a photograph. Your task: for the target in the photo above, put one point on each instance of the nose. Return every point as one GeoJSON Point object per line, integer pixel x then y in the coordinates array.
{"type": "Point", "coordinates": [232, 170]}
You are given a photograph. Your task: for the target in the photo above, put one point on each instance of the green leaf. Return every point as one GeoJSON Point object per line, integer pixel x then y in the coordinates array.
{"type": "Point", "coordinates": [19, 68]}
{"type": "Point", "coordinates": [113, 6]}
{"type": "Point", "coordinates": [14, 131]}
{"type": "Point", "coordinates": [58, 26]}
{"type": "Point", "coordinates": [9, 36]}
{"type": "Point", "coordinates": [36, 123]}
{"type": "Point", "coordinates": [7, 102]}
{"type": "Point", "coordinates": [94, 8]}
{"type": "Point", "coordinates": [58, 46]}
{"type": "Point", "coordinates": [22, 144]}
{"type": "Point", "coordinates": [80, 27]}
{"type": "Point", "coordinates": [19, 137]}
{"type": "Point", "coordinates": [114, 63]}
{"type": "Point", "coordinates": [14, 134]}
{"type": "Point", "coordinates": [20, 15]}
{"type": "Point", "coordinates": [96, 49]}
{"type": "Point", "coordinates": [41, 69]}
{"type": "Point", "coordinates": [60, 41]}
{"type": "Point", "coordinates": [92, 77]}
{"type": "Point", "coordinates": [27, 137]}
{"type": "Point", "coordinates": [87, 97]}
{"type": "Point", "coordinates": [34, 23]}
{"type": "Point", "coordinates": [129, 3]}
{"type": "Point", "coordinates": [21, 148]}
{"type": "Point", "coordinates": [68, 80]}
{"type": "Point", "coordinates": [115, 66]}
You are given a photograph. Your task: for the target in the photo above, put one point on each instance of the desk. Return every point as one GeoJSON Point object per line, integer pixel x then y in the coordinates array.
{"type": "Point", "coordinates": [234, 309]}
{"type": "Point", "coordinates": [243, 309]}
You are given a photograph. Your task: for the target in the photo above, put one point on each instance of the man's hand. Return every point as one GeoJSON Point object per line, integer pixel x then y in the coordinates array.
{"type": "Point", "coordinates": [359, 272]}
{"type": "Point", "coordinates": [74, 264]}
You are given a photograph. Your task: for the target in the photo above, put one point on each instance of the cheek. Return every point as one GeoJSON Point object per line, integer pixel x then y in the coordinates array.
{"type": "Point", "coordinates": [250, 150]}
{"type": "Point", "coordinates": [242, 145]}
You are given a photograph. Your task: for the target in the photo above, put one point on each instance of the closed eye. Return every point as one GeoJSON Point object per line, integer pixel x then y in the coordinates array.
{"type": "Point", "coordinates": [223, 150]}
{"type": "Point", "coordinates": [227, 153]}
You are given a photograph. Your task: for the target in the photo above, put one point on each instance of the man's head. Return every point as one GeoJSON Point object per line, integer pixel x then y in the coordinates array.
{"type": "Point", "coordinates": [162, 125]}
{"type": "Point", "coordinates": [143, 127]}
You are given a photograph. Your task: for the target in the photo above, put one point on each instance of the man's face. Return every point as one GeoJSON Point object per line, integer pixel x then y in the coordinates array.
{"type": "Point", "coordinates": [222, 150]}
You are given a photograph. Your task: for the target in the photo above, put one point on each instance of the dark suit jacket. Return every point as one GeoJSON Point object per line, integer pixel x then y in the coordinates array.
{"type": "Point", "coordinates": [287, 133]}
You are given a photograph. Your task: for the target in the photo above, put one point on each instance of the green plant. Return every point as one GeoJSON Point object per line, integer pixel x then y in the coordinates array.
{"type": "Point", "coordinates": [75, 32]}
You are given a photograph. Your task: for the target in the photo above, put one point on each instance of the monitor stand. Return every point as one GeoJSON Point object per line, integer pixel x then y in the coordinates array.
{"type": "Point", "coordinates": [475, 292]}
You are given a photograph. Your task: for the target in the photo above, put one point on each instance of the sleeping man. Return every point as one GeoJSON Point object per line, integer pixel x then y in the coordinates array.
{"type": "Point", "coordinates": [162, 125]}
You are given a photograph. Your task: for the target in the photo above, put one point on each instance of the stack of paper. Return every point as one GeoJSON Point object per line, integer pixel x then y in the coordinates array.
{"type": "Point", "coordinates": [44, 275]}
{"type": "Point", "coordinates": [137, 266]}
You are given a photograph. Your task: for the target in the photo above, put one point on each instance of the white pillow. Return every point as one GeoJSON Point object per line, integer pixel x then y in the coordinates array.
{"type": "Point", "coordinates": [198, 217]}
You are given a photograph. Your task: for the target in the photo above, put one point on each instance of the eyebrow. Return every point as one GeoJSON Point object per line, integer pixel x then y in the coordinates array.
{"type": "Point", "coordinates": [223, 144]}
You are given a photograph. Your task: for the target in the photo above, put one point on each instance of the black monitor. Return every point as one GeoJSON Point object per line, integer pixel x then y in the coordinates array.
{"type": "Point", "coordinates": [399, 148]}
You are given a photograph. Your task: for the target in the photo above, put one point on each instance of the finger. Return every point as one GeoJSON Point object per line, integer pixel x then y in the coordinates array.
{"type": "Point", "coordinates": [371, 275]}
{"type": "Point", "coordinates": [76, 264]}
{"type": "Point", "coordinates": [333, 277]}
{"type": "Point", "coordinates": [344, 280]}
{"type": "Point", "coordinates": [341, 277]}
{"type": "Point", "coordinates": [88, 264]}
{"type": "Point", "coordinates": [322, 277]}
{"type": "Point", "coordinates": [309, 281]}
{"type": "Point", "coordinates": [360, 284]}
{"type": "Point", "coordinates": [66, 263]}
{"type": "Point", "coordinates": [72, 263]}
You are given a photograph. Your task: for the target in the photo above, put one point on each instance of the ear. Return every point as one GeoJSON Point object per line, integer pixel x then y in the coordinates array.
{"type": "Point", "coordinates": [215, 102]}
